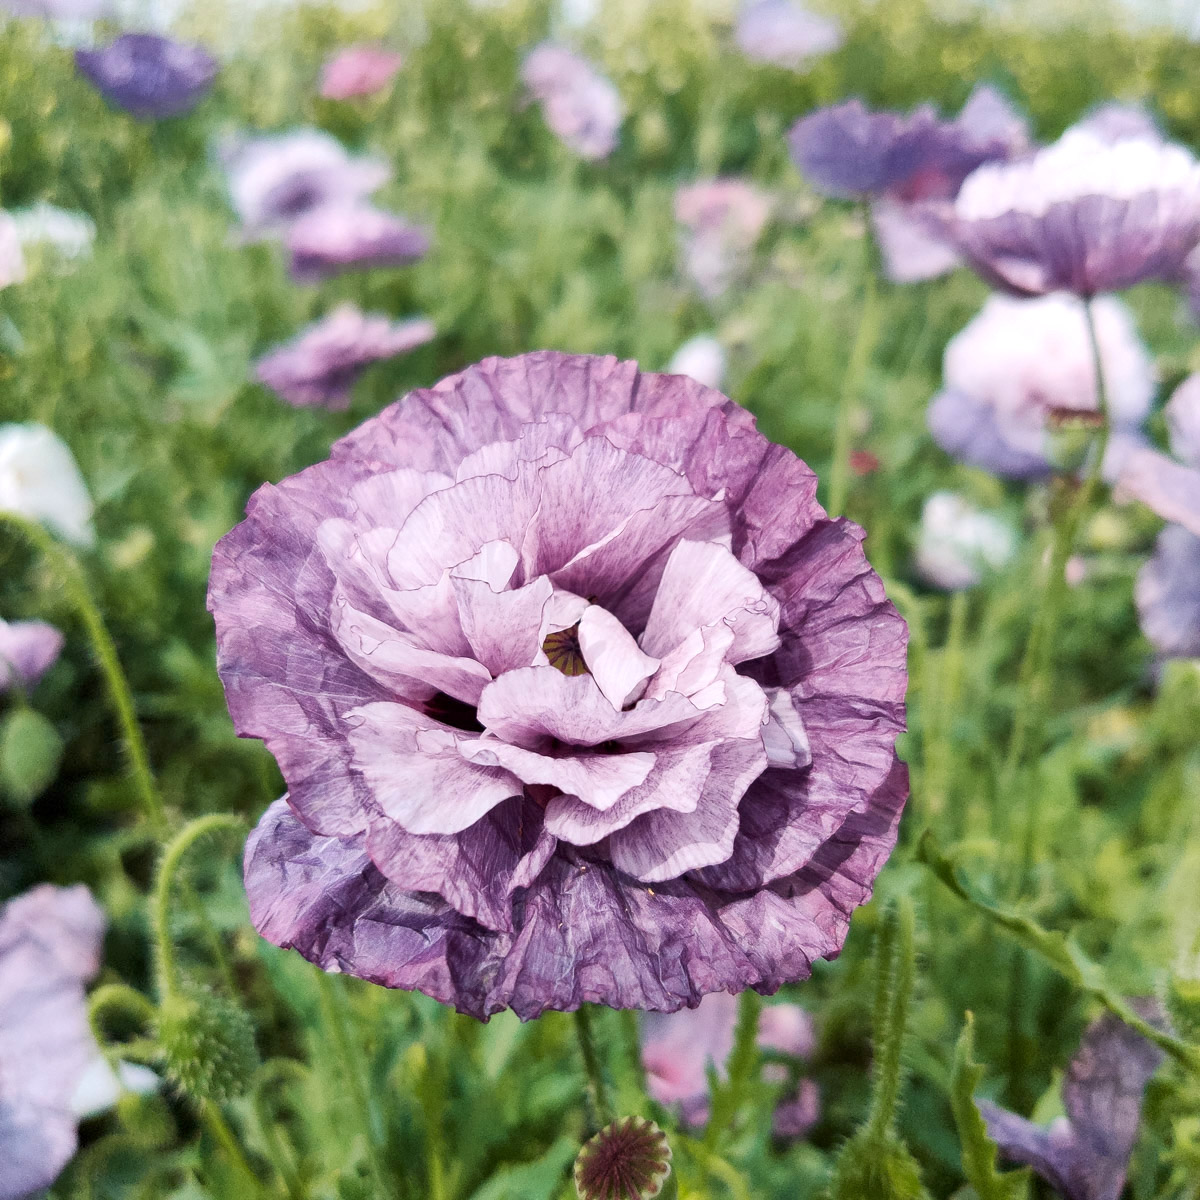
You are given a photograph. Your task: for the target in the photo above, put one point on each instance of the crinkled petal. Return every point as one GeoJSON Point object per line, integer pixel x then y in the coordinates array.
{"type": "Point", "coordinates": [613, 657]}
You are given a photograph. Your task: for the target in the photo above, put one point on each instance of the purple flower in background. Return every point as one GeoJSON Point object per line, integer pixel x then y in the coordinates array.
{"type": "Point", "coordinates": [273, 180]}
{"type": "Point", "coordinates": [1168, 594]}
{"type": "Point", "coordinates": [1085, 1154]}
{"type": "Point", "coordinates": [49, 948]}
{"type": "Point", "coordinates": [1116, 122]}
{"type": "Point", "coordinates": [347, 236]}
{"type": "Point", "coordinates": [678, 1049]}
{"type": "Point", "coordinates": [148, 75]}
{"type": "Point", "coordinates": [580, 105]}
{"type": "Point", "coordinates": [721, 220]}
{"type": "Point", "coordinates": [578, 694]}
{"type": "Point", "coordinates": [1021, 367]}
{"type": "Point", "coordinates": [321, 365]}
{"type": "Point", "coordinates": [782, 33]}
{"type": "Point", "coordinates": [359, 71]}
{"type": "Point", "coordinates": [1084, 215]}
{"type": "Point", "coordinates": [57, 10]}
{"type": "Point", "coordinates": [1183, 421]}
{"type": "Point", "coordinates": [28, 649]}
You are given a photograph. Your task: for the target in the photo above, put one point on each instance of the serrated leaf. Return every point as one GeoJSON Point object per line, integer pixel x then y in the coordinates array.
{"type": "Point", "coordinates": [30, 754]}
{"type": "Point", "coordinates": [978, 1150]}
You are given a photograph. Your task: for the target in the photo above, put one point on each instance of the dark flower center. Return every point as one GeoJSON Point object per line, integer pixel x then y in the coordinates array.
{"type": "Point", "coordinates": [450, 711]}
{"type": "Point", "coordinates": [562, 649]}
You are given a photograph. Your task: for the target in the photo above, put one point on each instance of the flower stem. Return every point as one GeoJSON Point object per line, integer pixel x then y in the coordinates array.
{"type": "Point", "coordinates": [591, 1064]}
{"type": "Point", "coordinates": [75, 582]}
{"type": "Point", "coordinates": [168, 968]}
{"type": "Point", "coordinates": [895, 969]}
{"type": "Point", "coordinates": [218, 1127]}
{"type": "Point", "coordinates": [333, 1010]}
{"type": "Point", "coordinates": [860, 356]}
{"type": "Point", "coordinates": [743, 1061]}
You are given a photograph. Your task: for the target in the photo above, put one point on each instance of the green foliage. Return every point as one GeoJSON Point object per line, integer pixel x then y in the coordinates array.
{"type": "Point", "coordinates": [876, 1165]}
{"type": "Point", "coordinates": [30, 754]}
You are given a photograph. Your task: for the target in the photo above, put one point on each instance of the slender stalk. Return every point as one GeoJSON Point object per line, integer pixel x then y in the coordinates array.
{"type": "Point", "coordinates": [941, 709]}
{"type": "Point", "coordinates": [218, 1127]}
{"type": "Point", "coordinates": [591, 1064]}
{"type": "Point", "coordinates": [743, 1062]}
{"type": "Point", "coordinates": [896, 971]}
{"type": "Point", "coordinates": [860, 356]}
{"type": "Point", "coordinates": [64, 563]}
{"type": "Point", "coordinates": [168, 969]}
{"type": "Point", "coordinates": [333, 1011]}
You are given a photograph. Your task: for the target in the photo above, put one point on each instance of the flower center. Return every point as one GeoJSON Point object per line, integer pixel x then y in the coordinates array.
{"type": "Point", "coordinates": [563, 650]}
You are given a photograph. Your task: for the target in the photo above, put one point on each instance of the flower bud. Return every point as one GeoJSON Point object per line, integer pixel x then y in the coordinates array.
{"type": "Point", "coordinates": [627, 1160]}
{"type": "Point", "coordinates": [208, 1043]}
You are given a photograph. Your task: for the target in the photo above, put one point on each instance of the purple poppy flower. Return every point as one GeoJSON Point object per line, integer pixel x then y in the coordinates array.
{"type": "Point", "coordinates": [721, 221]}
{"type": "Point", "coordinates": [319, 367]}
{"type": "Point", "coordinates": [1168, 594]}
{"type": "Point", "coordinates": [359, 71]}
{"type": "Point", "coordinates": [1159, 482]}
{"type": "Point", "coordinates": [28, 649]}
{"type": "Point", "coordinates": [1022, 366]}
{"type": "Point", "coordinates": [273, 180]}
{"type": "Point", "coordinates": [578, 694]}
{"type": "Point", "coordinates": [148, 75]}
{"type": "Point", "coordinates": [1084, 1155]}
{"type": "Point", "coordinates": [1084, 215]}
{"type": "Point", "coordinates": [580, 105]}
{"type": "Point", "coordinates": [678, 1049]}
{"type": "Point", "coordinates": [782, 33]}
{"type": "Point", "coordinates": [349, 236]}
{"type": "Point", "coordinates": [847, 150]}
{"type": "Point", "coordinates": [49, 948]}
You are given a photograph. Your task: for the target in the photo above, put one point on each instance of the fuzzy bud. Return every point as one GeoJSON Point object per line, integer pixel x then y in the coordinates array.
{"type": "Point", "coordinates": [208, 1044]}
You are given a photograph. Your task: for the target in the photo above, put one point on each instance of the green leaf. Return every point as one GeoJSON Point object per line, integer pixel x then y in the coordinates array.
{"type": "Point", "coordinates": [30, 753]}
{"type": "Point", "coordinates": [534, 1181]}
{"type": "Point", "coordinates": [978, 1150]}
{"type": "Point", "coordinates": [1058, 951]}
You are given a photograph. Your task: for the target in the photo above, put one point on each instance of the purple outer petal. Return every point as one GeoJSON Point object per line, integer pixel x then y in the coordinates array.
{"type": "Point", "coordinates": [676, 942]}
{"type": "Point", "coordinates": [1168, 594]}
{"type": "Point", "coordinates": [148, 75]}
{"type": "Point", "coordinates": [1171, 490]}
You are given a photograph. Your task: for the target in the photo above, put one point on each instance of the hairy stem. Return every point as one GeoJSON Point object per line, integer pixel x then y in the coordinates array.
{"type": "Point", "coordinates": [67, 567]}
{"type": "Point", "coordinates": [591, 1064]}
{"type": "Point", "coordinates": [895, 974]}
{"type": "Point", "coordinates": [743, 1061]}
{"type": "Point", "coordinates": [218, 1127]}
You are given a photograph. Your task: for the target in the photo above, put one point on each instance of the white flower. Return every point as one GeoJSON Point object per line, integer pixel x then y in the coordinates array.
{"type": "Point", "coordinates": [12, 258]}
{"type": "Point", "coordinates": [40, 480]}
{"type": "Point", "coordinates": [701, 357]}
{"type": "Point", "coordinates": [959, 544]}
{"type": "Point", "coordinates": [71, 234]}
{"type": "Point", "coordinates": [100, 1087]}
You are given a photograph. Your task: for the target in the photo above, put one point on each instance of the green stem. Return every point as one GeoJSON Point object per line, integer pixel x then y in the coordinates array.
{"type": "Point", "coordinates": [333, 1010]}
{"type": "Point", "coordinates": [75, 582]}
{"type": "Point", "coordinates": [860, 356]}
{"type": "Point", "coordinates": [942, 716]}
{"type": "Point", "coordinates": [743, 1061]}
{"type": "Point", "coordinates": [218, 1127]}
{"type": "Point", "coordinates": [896, 972]}
{"type": "Point", "coordinates": [591, 1064]}
{"type": "Point", "coordinates": [275, 1075]}
{"type": "Point", "coordinates": [631, 1092]}
{"type": "Point", "coordinates": [168, 968]}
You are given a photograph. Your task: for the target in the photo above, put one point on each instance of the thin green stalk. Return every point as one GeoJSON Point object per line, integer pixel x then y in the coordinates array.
{"type": "Point", "coordinates": [218, 1127]}
{"type": "Point", "coordinates": [941, 710]}
{"type": "Point", "coordinates": [75, 583]}
{"type": "Point", "coordinates": [168, 969]}
{"type": "Point", "coordinates": [860, 356]}
{"type": "Point", "coordinates": [350, 1055]}
{"type": "Point", "coordinates": [743, 1061]}
{"type": "Point", "coordinates": [896, 973]}
{"type": "Point", "coordinates": [591, 1064]}
{"type": "Point", "coordinates": [275, 1075]}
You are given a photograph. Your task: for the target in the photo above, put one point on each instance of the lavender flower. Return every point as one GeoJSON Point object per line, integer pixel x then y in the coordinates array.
{"type": "Point", "coordinates": [580, 105]}
{"type": "Point", "coordinates": [578, 694]}
{"type": "Point", "coordinates": [57, 10]}
{"type": "Point", "coordinates": [1084, 215]}
{"type": "Point", "coordinates": [49, 948]}
{"type": "Point", "coordinates": [1084, 1155]}
{"type": "Point", "coordinates": [1021, 367]}
{"type": "Point", "coordinates": [148, 75]}
{"type": "Point", "coordinates": [359, 71]}
{"type": "Point", "coordinates": [344, 236]}
{"type": "Point", "coordinates": [1183, 421]}
{"type": "Point", "coordinates": [679, 1048]}
{"type": "Point", "coordinates": [1168, 594]}
{"type": "Point", "coordinates": [1115, 122]}
{"type": "Point", "coordinates": [782, 33]}
{"type": "Point", "coordinates": [321, 365]}
{"type": "Point", "coordinates": [28, 649]}
{"type": "Point", "coordinates": [702, 358]}
{"type": "Point", "coordinates": [959, 544]}
{"type": "Point", "coordinates": [40, 480]}
{"type": "Point", "coordinates": [722, 219]}
{"type": "Point", "coordinates": [273, 180]}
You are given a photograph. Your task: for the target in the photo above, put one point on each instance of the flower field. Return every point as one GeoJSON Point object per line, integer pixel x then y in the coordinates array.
{"type": "Point", "coordinates": [599, 600]}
